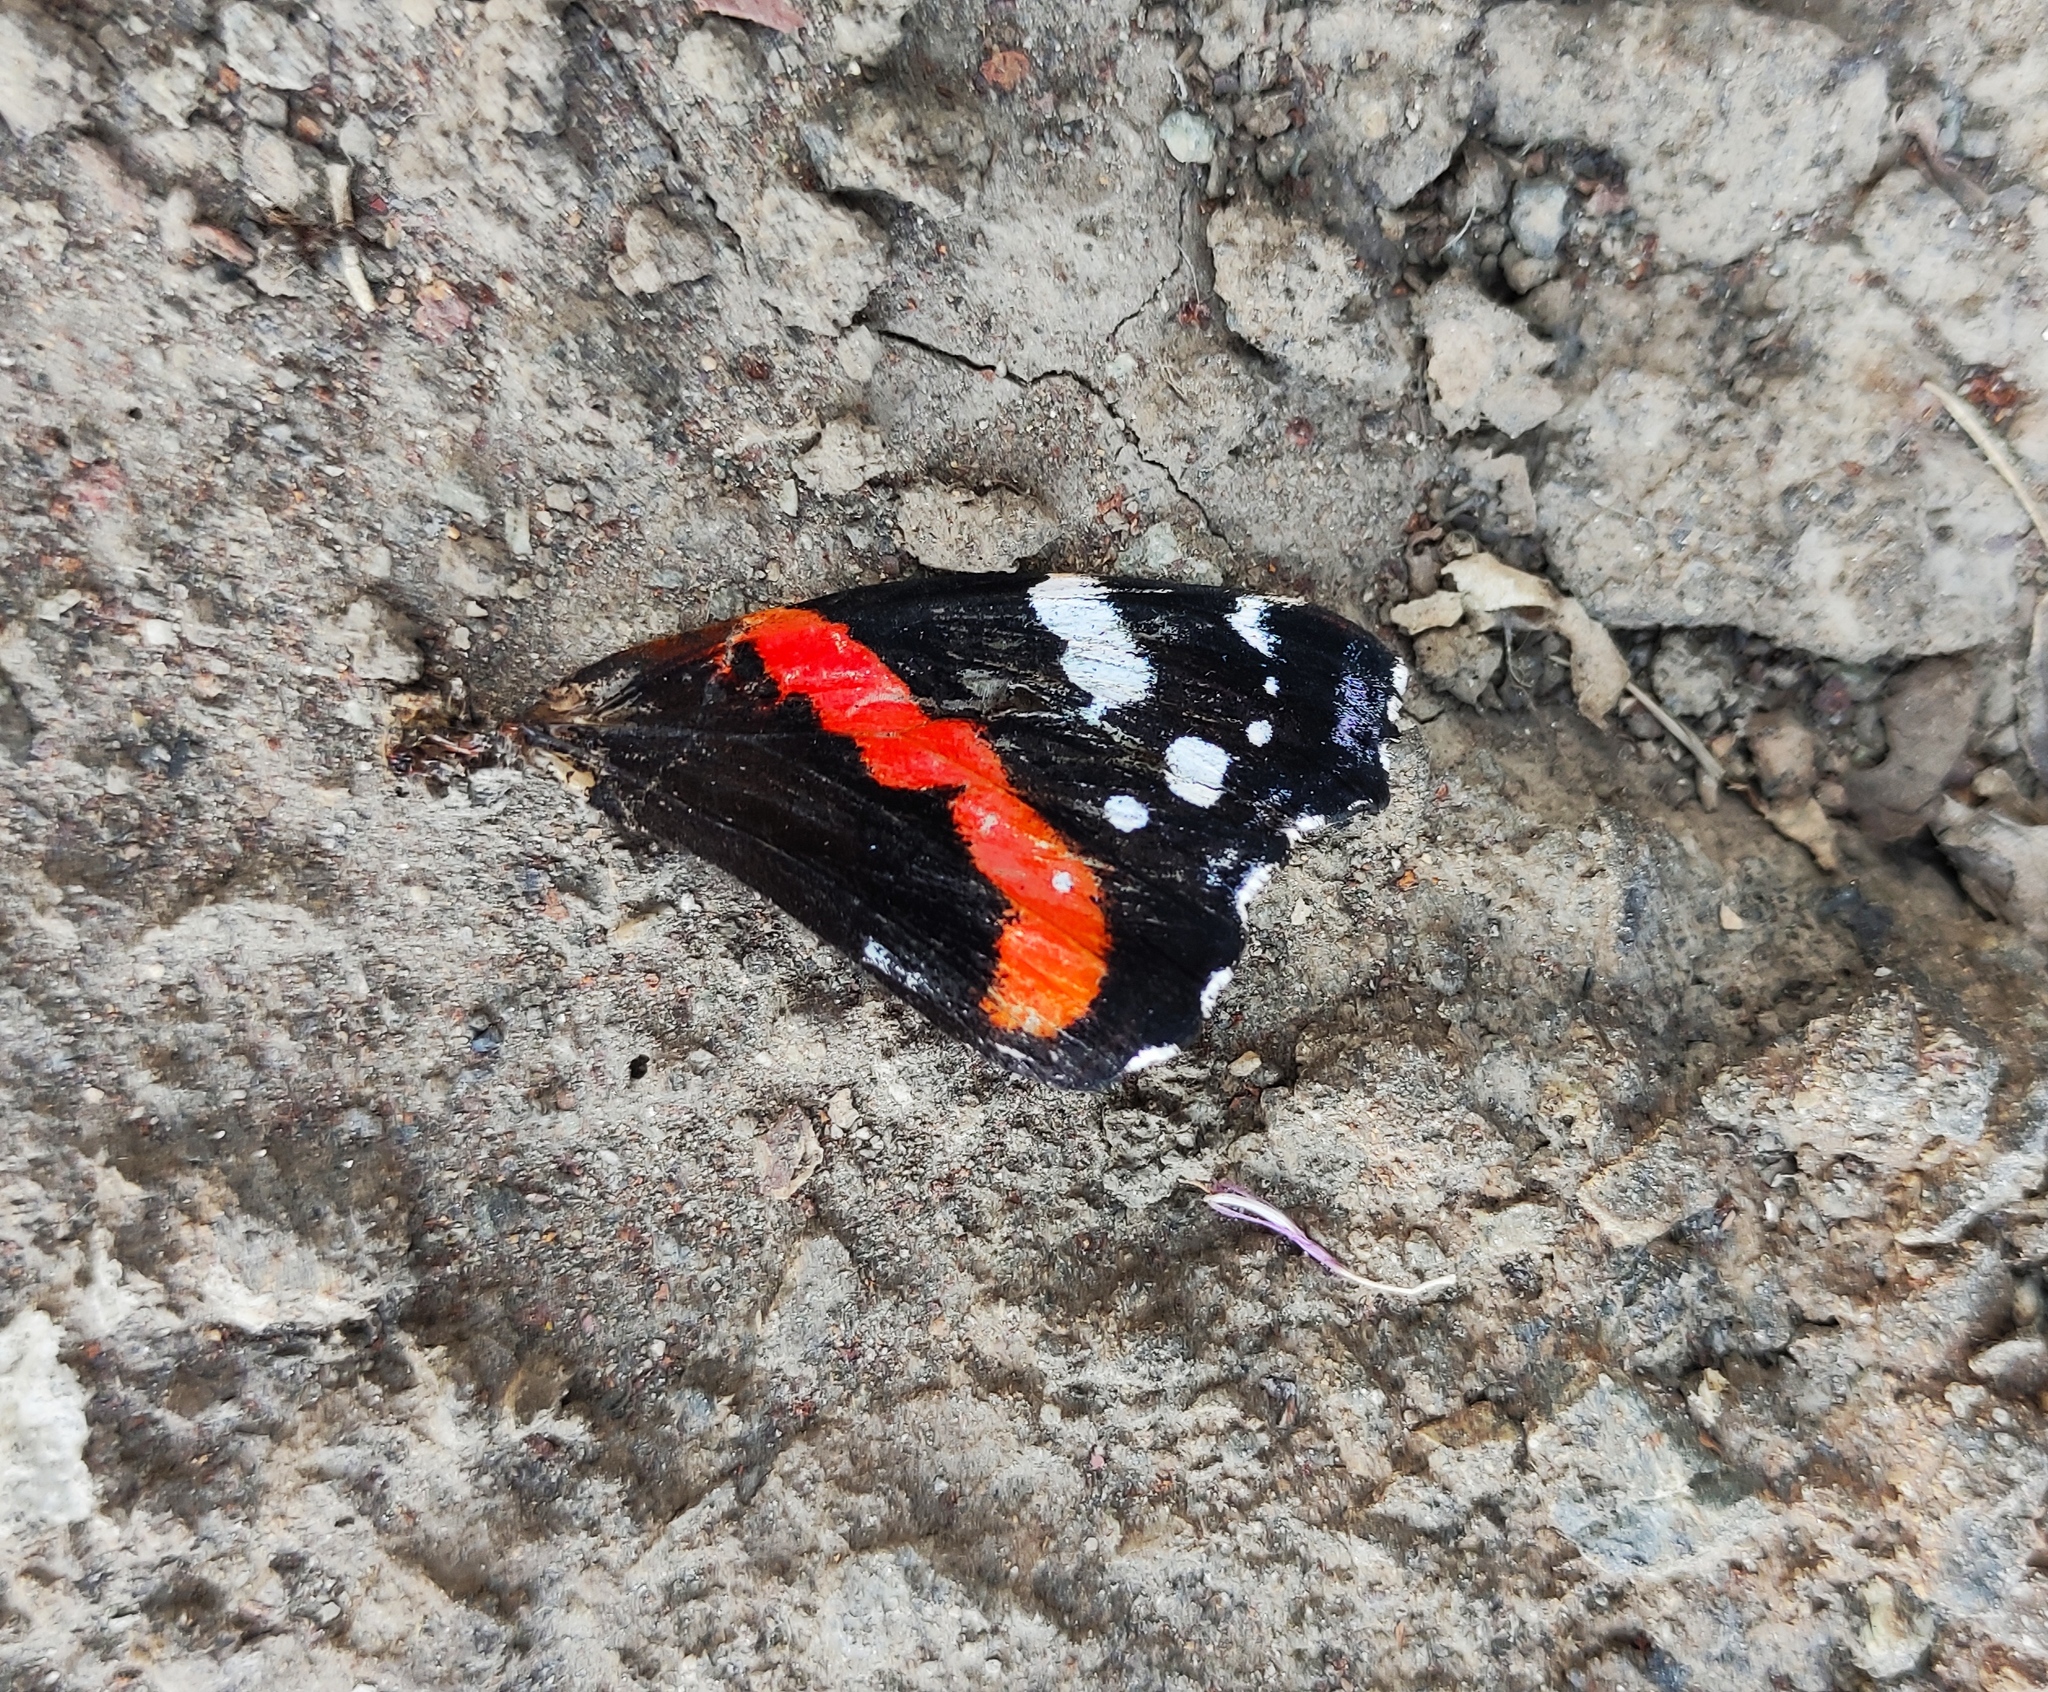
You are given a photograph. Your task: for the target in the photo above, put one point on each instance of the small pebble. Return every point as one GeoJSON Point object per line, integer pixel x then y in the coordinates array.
{"type": "Point", "coordinates": [1524, 271]}
{"type": "Point", "coordinates": [1246, 1064]}
{"type": "Point", "coordinates": [1731, 919]}
{"type": "Point", "coordinates": [1537, 219]}
{"type": "Point", "coordinates": [1189, 137]}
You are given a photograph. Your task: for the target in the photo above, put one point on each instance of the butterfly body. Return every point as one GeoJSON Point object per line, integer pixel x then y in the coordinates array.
{"type": "Point", "coordinates": [1034, 806]}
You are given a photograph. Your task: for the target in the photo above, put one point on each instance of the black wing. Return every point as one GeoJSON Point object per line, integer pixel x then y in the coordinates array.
{"type": "Point", "coordinates": [1179, 739]}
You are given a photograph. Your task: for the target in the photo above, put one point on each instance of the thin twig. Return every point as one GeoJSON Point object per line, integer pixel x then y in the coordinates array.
{"type": "Point", "coordinates": [1993, 448]}
{"type": "Point", "coordinates": [1679, 732]}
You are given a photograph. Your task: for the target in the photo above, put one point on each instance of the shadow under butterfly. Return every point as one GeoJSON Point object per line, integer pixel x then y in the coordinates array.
{"type": "Point", "coordinates": [1037, 807]}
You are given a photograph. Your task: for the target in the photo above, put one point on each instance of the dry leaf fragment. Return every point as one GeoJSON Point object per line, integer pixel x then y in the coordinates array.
{"type": "Point", "coordinates": [1486, 584]}
{"type": "Point", "coordinates": [1804, 821]}
{"type": "Point", "coordinates": [775, 14]}
{"type": "Point", "coordinates": [1005, 71]}
{"type": "Point", "coordinates": [442, 313]}
{"type": "Point", "coordinates": [1433, 611]}
{"type": "Point", "coordinates": [787, 1155]}
{"type": "Point", "coordinates": [1599, 672]}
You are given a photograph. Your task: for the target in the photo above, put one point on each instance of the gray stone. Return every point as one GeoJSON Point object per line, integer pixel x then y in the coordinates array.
{"type": "Point", "coordinates": [2003, 863]}
{"type": "Point", "coordinates": [1483, 361]}
{"type": "Point", "coordinates": [1300, 296]}
{"type": "Point", "coordinates": [1620, 1481]}
{"type": "Point", "coordinates": [44, 80]}
{"type": "Point", "coordinates": [1675, 494]}
{"type": "Point", "coordinates": [815, 262]}
{"type": "Point", "coordinates": [382, 643]}
{"type": "Point", "coordinates": [270, 49]}
{"type": "Point", "coordinates": [1929, 712]}
{"type": "Point", "coordinates": [950, 528]}
{"type": "Point", "coordinates": [1691, 675]}
{"type": "Point", "coordinates": [1188, 136]}
{"type": "Point", "coordinates": [1648, 1193]}
{"type": "Point", "coordinates": [1782, 748]}
{"type": "Point", "coordinates": [658, 255]}
{"type": "Point", "coordinates": [2017, 1368]}
{"type": "Point", "coordinates": [1538, 220]}
{"type": "Point", "coordinates": [1398, 89]}
{"type": "Point", "coordinates": [261, 105]}
{"type": "Point", "coordinates": [1894, 1630]}
{"type": "Point", "coordinates": [1877, 1086]}
{"type": "Point", "coordinates": [848, 455]}
{"type": "Point", "coordinates": [1479, 188]}
{"type": "Point", "coordinates": [878, 147]}
{"type": "Point", "coordinates": [280, 173]}
{"type": "Point", "coordinates": [1522, 272]}
{"type": "Point", "coordinates": [1462, 661]}
{"type": "Point", "coordinates": [1728, 119]}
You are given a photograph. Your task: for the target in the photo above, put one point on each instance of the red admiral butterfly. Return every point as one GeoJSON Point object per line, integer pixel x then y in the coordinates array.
{"type": "Point", "coordinates": [1037, 807]}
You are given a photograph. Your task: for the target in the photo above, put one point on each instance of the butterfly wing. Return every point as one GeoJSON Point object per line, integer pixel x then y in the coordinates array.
{"type": "Point", "coordinates": [1035, 807]}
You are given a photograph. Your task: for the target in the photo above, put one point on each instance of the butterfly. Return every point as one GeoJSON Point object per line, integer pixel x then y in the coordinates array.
{"type": "Point", "coordinates": [1037, 807]}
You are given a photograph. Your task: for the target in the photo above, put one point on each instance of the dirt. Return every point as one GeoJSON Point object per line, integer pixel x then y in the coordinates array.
{"type": "Point", "coordinates": [440, 1245]}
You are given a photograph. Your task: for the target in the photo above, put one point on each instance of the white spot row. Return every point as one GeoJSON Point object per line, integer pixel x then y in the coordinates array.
{"type": "Point", "coordinates": [1195, 769]}
{"type": "Point", "coordinates": [1101, 658]}
{"type": "Point", "coordinates": [1248, 617]}
{"type": "Point", "coordinates": [1125, 814]}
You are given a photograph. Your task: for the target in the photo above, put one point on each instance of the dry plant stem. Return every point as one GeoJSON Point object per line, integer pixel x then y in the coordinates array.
{"type": "Point", "coordinates": [1993, 448]}
{"type": "Point", "coordinates": [1228, 1199]}
{"type": "Point", "coordinates": [1386, 1289]}
{"type": "Point", "coordinates": [354, 280]}
{"type": "Point", "coordinates": [1679, 732]}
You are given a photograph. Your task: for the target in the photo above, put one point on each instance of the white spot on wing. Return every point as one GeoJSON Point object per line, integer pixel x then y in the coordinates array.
{"type": "Point", "coordinates": [1273, 686]}
{"type": "Point", "coordinates": [1062, 882]}
{"type": "Point", "coordinates": [1248, 617]}
{"type": "Point", "coordinates": [1251, 887]}
{"type": "Point", "coordinates": [1303, 826]}
{"type": "Point", "coordinates": [1101, 658]}
{"type": "Point", "coordinates": [1149, 1056]}
{"type": "Point", "coordinates": [1195, 769]}
{"type": "Point", "coordinates": [1212, 990]}
{"type": "Point", "coordinates": [1125, 814]}
{"type": "Point", "coordinates": [1400, 691]}
{"type": "Point", "coordinates": [1258, 731]}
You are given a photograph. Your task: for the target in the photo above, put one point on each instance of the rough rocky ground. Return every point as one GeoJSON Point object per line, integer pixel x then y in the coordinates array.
{"type": "Point", "coordinates": [393, 1290]}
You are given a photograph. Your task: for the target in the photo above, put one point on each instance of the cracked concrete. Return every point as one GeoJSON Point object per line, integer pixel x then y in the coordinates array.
{"type": "Point", "coordinates": [441, 1246]}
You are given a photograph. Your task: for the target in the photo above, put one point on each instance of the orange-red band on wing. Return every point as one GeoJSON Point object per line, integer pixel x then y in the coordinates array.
{"type": "Point", "coordinates": [1053, 950]}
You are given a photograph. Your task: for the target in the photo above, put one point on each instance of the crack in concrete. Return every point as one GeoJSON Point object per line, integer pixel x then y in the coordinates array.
{"type": "Point", "coordinates": [1087, 386]}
